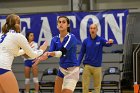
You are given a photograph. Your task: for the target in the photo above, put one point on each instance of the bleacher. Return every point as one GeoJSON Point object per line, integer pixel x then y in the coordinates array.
{"type": "Point", "coordinates": [112, 57]}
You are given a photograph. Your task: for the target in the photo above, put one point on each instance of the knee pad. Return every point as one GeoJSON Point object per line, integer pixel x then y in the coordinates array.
{"type": "Point", "coordinates": [35, 80]}
{"type": "Point", "coordinates": [27, 81]}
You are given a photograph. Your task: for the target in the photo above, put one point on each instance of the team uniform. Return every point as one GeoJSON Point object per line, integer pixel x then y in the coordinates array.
{"type": "Point", "coordinates": [28, 62]}
{"type": "Point", "coordinates": [92, 50]}
{"type": "Point", "coordinates": [69, 66]}
{"type": "Point", "coordinates": [10, 45]}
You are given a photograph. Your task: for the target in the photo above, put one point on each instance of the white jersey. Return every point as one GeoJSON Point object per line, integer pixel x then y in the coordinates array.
{"type": "Point", "coordinates": [10, 47]}
{"type": "Point", "coordinates": [34, 46]}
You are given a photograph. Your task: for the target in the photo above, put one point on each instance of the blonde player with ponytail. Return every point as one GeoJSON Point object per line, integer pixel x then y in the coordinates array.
{"type": "Point", "coordinates": [10, 43]}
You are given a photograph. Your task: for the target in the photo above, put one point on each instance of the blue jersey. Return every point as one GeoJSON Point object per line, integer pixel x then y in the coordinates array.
{"type": "Point", "coordinates": [92, 49]}
{"type": "Point", "coordinates": [69, 43]}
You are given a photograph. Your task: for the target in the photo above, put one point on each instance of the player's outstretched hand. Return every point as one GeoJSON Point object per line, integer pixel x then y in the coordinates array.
{"type": "Point", "coordinates": [44, 46]}
{"type": "Point", "coordinates": [41, 58]}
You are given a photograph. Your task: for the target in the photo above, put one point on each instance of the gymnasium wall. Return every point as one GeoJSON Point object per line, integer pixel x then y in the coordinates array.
{"type": "Point", "coordinates": [131, 40]}
{"type": "Point", "coordinates": [37, 6]}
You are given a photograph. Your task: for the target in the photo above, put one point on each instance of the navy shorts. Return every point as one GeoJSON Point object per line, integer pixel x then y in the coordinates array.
{"type": "Point", "coordinates": [60, 74]}
{"type": "Point", "coordinates": [2, 71]}
{"type": "Point", "coordinates": [28, 63]}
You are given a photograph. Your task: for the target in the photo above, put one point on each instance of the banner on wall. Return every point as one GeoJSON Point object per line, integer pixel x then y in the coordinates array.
{"type": "Point", "coordinates": [111, 24]}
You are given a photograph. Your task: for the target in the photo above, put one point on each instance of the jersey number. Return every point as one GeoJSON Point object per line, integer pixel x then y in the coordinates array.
{"type": "Point", "coordinates": [2, 38]}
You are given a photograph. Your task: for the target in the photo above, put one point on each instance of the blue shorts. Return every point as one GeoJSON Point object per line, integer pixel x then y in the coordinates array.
{"type": "Point", "coordinates": [28, 63]}
{"type": "Point", "coordinates": [2, 71]}
{"type": "Point", "coordinates": [60, 74]}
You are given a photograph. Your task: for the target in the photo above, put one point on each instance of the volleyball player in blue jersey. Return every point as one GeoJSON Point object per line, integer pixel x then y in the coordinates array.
{"type": "Point", "coordinates": [92, 48]}
{"type": "Point", "coordinates": [64, 46]}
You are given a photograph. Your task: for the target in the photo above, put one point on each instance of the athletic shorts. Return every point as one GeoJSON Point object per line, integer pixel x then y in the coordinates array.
{"type": "Point", "coordinates": [28, 63]}
{"type": "Point", "coordinates": [2, 71]}
{"type": "Point", "coordinates": [70, 77]}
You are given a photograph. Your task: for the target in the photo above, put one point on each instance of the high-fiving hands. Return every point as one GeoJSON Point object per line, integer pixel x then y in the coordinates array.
{"type": "Point", "coordinates": [43, 57]}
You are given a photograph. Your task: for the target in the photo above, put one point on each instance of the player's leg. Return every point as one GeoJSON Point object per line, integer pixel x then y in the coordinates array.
{"type": "Point", "coordinates": [35, 78]}
{"type": "Point", "coordinates": [58, 82]}
{"type": "Point", "coordinates": [27, 79]}
{"type": "Point", "coordinates": [1, 90]}
{"type": "Point", "coordinates": [8, 83]}
{"type": "Point", "coordinates": [27, 70]}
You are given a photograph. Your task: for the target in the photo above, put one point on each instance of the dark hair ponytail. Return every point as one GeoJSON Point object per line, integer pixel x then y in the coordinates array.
{"type": "Point", "coordinates": [27, 35]}
{"type": "Point", "coordinates": [68, 21]}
